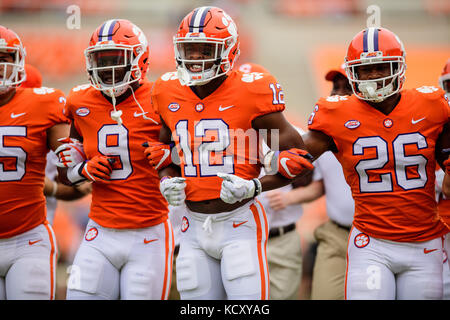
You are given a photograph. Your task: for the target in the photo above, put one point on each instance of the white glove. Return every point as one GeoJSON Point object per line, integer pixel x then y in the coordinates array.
{"type": "Point", "coordinates": [236, 189]}
{"type": "Point", "coordinates": [70, 153]}
{"type": "Point", "coordinates": [173, 190]}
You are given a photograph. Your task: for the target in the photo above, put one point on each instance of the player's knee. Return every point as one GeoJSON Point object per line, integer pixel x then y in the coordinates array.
{"type": "Point", "coordinates": [85, 276]}
{"type": "Point", "coordinates": [187, 276]}
{"type": "Point", "coordinates": [139, 284]}
{"type": "Point", "coordinates": [32, 280]}
{"type": "Point", "coordinates": [237, 261]}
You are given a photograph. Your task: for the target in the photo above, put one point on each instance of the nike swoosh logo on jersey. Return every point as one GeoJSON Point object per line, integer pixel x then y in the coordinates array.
{"type": "Point", "coordinates": [225, 108]}
{"type": "Point", "coordinates": [428, 251]}
{"type": "Point", "coordinates": [17, 115]}
{"type": "Point", "coordinates": [33, 242]}
{"type": "Point", "coordinates": [235, 225]}
{"type": "Point", "coordinates": [417, 121]}
{"type": "Point", "coordinates": [148, 241]}
{"type": "Point", "coordinates": [136, 114]}
{"type": "Point", "coordinates": [164, 157]}
{"type": "Point", "coordinates": [143, 114]}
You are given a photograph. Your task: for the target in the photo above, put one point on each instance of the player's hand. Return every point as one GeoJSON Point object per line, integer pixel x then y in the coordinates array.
{"type": "Point", "coordinates": [277, 199]}
{"type": "Point", "coordinates": [70, 153]}
{"type": "Point", "coordinates": [447, 166]}
{"type": "Point", "coordinates": [98, 168]}
{"type": "Point", "coordinates": [158, 154]}
{"type": "Point", "coordinates": [290, 163]}
{"type": "Point", "coordinates": [235, 188]}
{"type": "Point", "coordinates": [173, 190]}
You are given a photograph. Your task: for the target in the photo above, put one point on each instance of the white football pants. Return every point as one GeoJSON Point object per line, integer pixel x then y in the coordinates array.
{"type": "Point", "coordinates": [384, 270]}
{"type": "Point", "coordinates": [123, 264]}
{"type": "Point", "coordinates": [223, 255]}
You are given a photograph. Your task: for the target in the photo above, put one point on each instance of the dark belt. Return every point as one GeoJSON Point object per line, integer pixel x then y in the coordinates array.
{"type": "Point", "coordinates": [275, 232]}
{"type": "Point", "coordinates": [342, 226]}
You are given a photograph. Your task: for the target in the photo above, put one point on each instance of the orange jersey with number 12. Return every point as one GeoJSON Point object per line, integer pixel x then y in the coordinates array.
{"type": "Point", "coordinates": [215, 134]}
{"type": "Point", "coordinates": [389, 160]}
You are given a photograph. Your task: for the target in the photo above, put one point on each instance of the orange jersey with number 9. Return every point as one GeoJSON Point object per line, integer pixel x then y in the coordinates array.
{"type": "Point", "coordinates": [131, 198]}
{"type": "Point", "coordinates": [389, 160]}
{"type": "Point", "coordinates": [23, 151]}
{"type": "Point", "coordinates": [215, 134]}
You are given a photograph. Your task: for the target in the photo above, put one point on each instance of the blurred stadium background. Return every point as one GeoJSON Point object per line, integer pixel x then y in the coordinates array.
{"type": "Point", "coordinates": [296, 40]}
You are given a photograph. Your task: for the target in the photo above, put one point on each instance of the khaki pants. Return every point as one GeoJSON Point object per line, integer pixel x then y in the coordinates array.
{"type": "Point", "coordinates": [285, 266]}
{"type": "Point", "coordinates": [329, 268]}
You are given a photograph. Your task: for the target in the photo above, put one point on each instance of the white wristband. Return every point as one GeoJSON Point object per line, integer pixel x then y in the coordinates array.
{"type": "Point", "coordinates": [74, 174]}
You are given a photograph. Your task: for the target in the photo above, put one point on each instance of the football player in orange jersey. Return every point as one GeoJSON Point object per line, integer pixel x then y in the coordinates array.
{"type": "Point", "coordinates": [442, 191]}
{"type": "Point", "coordinates": [446, 182]}
{"type": "Point", "coordinates": [444, 81]}
{"type": "Point", "coordinates": [32, 121]}
{"type": "Point", "coordinates": [208, 109]}
{"type": "Point", "coordinates": [53, 190]}
{"type": "Point", "coordinates": [128, 246]}
{"type": "Point", "coordinates": [387, 141]}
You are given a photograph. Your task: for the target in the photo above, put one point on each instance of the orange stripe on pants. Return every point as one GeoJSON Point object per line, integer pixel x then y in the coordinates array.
{"type": "Point", "coordinates": [52, 261]}
{"type": "Point", "coordinates": [169, 245]}
{"type": "Point", "coordinates": [259, 235]}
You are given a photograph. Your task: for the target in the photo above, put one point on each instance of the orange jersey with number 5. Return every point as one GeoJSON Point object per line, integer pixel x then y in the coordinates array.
{"type": "Point", "coordinates": [23, 150]}
{"type": "Point", "coordinates": [389, 160]}
{"type": "Point", "coordinates": [215, 134]}
{"type": "Point", "coordinates": [131, 198]}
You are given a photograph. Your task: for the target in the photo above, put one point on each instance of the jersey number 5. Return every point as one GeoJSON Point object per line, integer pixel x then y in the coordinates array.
{"type": "Point", "coordinates": [10, 152]}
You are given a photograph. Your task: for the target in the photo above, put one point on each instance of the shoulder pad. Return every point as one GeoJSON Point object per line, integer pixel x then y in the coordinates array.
{"type": "Point", "coordinates": [429, 92]}
{"type": "Point", "coordinates": [81, 87]}
{"type": "Point", "coordinates": [43, 90]}
{"type": "Point", "coordinates": [167, 79]}
{"type": "Point", "coordinates": [257, 82]}
{"type": "Point", "coordinates": [332, 102]}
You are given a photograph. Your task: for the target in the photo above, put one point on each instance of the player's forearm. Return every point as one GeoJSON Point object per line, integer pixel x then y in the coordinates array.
{"type": "Point", "coordinates": [305, 194]}
{"type": "Point", "coordinates": [172, 171]}
{"type": "Point", "coordinates": [446, 186]}
{"type": "Point", "coordinates": [67, 193]}
{"type": "Point", "coordinates": [270, 182]}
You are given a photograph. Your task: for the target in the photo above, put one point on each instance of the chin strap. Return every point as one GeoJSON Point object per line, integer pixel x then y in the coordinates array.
{"type": "Point", "coordinates": [369, 90]}
{"type": "Point", "coordinates": [115, 115]}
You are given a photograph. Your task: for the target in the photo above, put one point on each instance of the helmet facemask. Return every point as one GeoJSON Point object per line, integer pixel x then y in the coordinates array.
{"type": "Point", "coordinates": [376, 90]}
{"type": "Point", "coordinates": [12, 74]}
{"type": "Point", "coordinates": [112, 68]}
{"type": "Point", "coordinates": [201, 59]}
{"type": "Point", "coordinates": [444, 82]}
